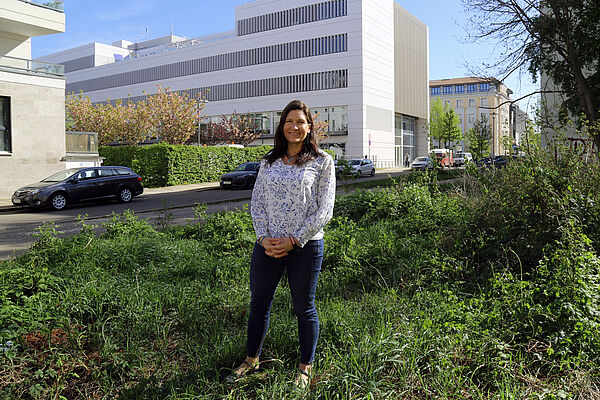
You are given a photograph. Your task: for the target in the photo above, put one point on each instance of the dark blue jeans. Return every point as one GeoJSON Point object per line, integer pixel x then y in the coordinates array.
{"type": "Point", "coordinates": [302, 266]}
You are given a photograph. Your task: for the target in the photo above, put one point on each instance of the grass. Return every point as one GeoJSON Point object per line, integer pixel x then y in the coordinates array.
{"type": "Point", "coordinates": [413, 304]}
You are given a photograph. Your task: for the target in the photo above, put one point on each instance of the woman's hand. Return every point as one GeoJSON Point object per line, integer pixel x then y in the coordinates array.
{"type": "Point", "coordinates": [277, 247]}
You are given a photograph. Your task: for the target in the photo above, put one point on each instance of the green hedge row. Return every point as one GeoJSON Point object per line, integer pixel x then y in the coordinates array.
{"type": "Point", "coordinates": [168, 165]}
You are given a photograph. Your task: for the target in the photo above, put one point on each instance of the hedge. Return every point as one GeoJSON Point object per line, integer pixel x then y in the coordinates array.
{"type": "Point", "coordinates": [168, 165]}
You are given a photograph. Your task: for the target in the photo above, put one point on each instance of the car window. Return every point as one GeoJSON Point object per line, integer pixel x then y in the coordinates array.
{"type": "Point", "coordinates": [105, 172]}
{"type": "Point", "coordinates": [252, 167]}
{"type": "Point", "coordinates": [122, 171]}
{"type": "Point", "coordinates": [61, 176]}
{"type": "Point", "coordinates": [355, 162]}
{"type": "Point", "coordinates": [86, 174]}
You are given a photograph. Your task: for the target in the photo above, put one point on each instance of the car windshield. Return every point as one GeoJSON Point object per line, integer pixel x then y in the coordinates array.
{"type": "Point", "coordinates": [246, 167]}
{"type": "Point", "coordinates": [355, 162]}
{"type": "Point", "coordinates": [61, 176]}
{"type": "Point", "coordinates": [420, 159]}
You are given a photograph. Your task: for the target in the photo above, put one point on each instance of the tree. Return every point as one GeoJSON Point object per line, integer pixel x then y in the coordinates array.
{"type": "Point", "coordinates": [166, 115]}
{"type": "Point", "coordinates": [478, 138]}
{"type": "Point", "coordinates": [450, 131]}
{"type": "Point", "coordinates": [320, 128]}
{"type": "Point", "coordinates": [173, 117]}
{"type": "Point", "coordinates": [559, 38]}
{"type": "Point", "coordinates": [436, 115]}
{"type": "Point", "coordinates": [238, 129]}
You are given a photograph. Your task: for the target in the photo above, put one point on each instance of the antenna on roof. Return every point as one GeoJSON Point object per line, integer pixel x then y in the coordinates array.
{"type": "Point", "coordinates": [171, 25]}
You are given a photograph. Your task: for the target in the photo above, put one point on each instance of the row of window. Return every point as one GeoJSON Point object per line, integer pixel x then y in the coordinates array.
{"type": "Point", "coordinates": [458, 89]}
{"type": "Point", "coordinates": [79, 63]}
{"type": "Point", "coordinates": [266, 87]}
{"type": "Point", "coordinates": [336, 117]}
{"type": "Point", "coordinates": [294, 16]}
{"type": "Point", "coordinates": [483, 102]}
{"type": "Point", "coordinates": [261, 55]}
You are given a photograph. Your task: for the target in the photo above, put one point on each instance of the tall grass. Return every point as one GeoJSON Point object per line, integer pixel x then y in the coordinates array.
{"type": "Point", "coordinates": [423, 294]}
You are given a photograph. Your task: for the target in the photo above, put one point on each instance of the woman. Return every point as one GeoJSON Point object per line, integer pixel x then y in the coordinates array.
{"type": "Point", "coordinates": [291, 203]}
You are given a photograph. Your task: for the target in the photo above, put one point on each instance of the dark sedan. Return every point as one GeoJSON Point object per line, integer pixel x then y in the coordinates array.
{"type": "Point", "coordinates": [243, 176]}
{"type": "Point", "coordinates": [81, 184]}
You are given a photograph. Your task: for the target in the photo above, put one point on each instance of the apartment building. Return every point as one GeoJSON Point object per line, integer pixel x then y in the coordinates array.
{"type": "Point", "coordinates": [362, 64]}
{"type": "Point", "coordinates": [473, 98]}
{"type": "Point", "coordinates": [32, 96]}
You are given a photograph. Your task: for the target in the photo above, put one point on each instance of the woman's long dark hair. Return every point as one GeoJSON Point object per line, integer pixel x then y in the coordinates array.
{"type": "Point", "coordinates": [310, 148]}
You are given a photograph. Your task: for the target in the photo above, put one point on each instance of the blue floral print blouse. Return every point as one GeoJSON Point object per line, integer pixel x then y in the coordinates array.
{"type": "Point", "coordinates": [294, 200]}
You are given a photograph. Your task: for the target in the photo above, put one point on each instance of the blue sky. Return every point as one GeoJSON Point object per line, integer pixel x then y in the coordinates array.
{"type": "Point", "coordinates": [107, 21]}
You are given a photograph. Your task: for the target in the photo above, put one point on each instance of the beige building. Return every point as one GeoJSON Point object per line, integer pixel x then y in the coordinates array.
{"type": "Point", "coordinates": [32, 96]}
{"type": "Point", "coordinates": [471, 99]}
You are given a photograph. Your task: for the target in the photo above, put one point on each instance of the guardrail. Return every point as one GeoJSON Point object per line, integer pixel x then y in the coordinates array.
{"type": "Point", "coordinates": [23, 65]}
{"type": "Point", "coordinates": [57, 5]}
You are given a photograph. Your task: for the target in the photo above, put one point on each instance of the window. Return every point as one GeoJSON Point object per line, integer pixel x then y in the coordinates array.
{"type": "Point", "coordinates": [447, 103]}
{"type": "Point", "coordinates": [484, 116]}
{"type": "Point", "coordinates": [447, 90]}
{"type": "Point", "coordinates": [459, 89]}
{"type": "Point", "coordinates": [471, 102]}
{"type": "Point", "coordinates": [436, 90]}
{"type": "Point", "coordinates": [471, 118]}
{"type": "Point", "coordinates": [484, 101]}
{"type": "Point", "coordinates": [459, 103]}
{"type": "Point", "coordinates": [484, 87]}
{"type": "Point", "coordinates": [472, 88]}
{"type": "Point", "coordinates": [5, 142]}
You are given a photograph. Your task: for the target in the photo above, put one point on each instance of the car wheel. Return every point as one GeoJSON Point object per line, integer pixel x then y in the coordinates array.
{"type": "Point", "coordinates": [373, 172]}
{"type": "Point", "coordinates": [58, 201]}
{"type": "Point", "coordinates": [125, 195]}
{"type": "Point", "coordinates": [359, 173]}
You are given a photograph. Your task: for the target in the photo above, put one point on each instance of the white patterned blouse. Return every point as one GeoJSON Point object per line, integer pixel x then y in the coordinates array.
{"type": "Point", "coordinates": [294, 200]}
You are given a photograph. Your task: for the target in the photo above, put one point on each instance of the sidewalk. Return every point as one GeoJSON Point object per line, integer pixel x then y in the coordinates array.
{"type": "Point", "coordinates": [7, 206]}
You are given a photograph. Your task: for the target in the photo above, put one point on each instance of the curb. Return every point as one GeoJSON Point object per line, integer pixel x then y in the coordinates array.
{"type": "Point", "coordinates": [6, 209]}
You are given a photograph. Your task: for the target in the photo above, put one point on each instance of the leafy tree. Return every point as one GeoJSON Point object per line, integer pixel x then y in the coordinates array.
{"type": "Point", "coordinates": [167, 115]}
{"type": "Point", "coordinates": [479, 137]}
{"type": "Point", "coordinates": [559, 38]}
{"type": "Point", "coordinates": [436, 115]}
{"type": "Point", "coordinates": [238, 129]}
{"type": "Point", "coordinates": [450, 127]}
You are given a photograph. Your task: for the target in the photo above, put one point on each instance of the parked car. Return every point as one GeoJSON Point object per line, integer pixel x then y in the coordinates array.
{"type": "Point", "coordinates": [421, 164]}
{"type": "Point", "coordinates": [359, 166]}
{"type": "Point", "coordinates": [461, 159]}
{"type": "Point", "coordinates": [445, 158]}
{"type": "Point", "coordinates": [80, 184]}
{"type": "Point", "coordinates": [243, 176]}
{"type": "Point", "coordinates": [500, 161]}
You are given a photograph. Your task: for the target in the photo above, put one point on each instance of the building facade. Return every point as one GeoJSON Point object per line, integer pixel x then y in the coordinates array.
{"type": "Point", "coordinates": [32, 96]}
{"type": "Point", "coordinates": [476, 98]}
{"type": "Point", "coordinates": [362, 64]}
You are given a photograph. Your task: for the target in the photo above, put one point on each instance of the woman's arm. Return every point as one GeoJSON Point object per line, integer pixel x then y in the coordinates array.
{"type": "Point", "coordinates": [258, 210]}
{"type": "Point", "coordinates": [325, 198]}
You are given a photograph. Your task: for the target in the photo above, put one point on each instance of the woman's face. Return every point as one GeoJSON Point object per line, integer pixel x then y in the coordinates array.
{"type": "Point", "coordinates": [296, 127]}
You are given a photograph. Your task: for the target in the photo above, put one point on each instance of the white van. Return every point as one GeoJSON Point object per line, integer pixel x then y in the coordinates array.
{"type": "Point", "coordinates": [461, 159]}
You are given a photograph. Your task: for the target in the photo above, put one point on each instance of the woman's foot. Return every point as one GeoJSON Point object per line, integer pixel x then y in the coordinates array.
{"type": "Point", "coordinates": [303, 379]}
{"type": "Point", "coordinates": [247, 366]}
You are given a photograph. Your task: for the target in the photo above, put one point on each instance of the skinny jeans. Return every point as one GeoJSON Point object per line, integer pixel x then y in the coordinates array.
{"type": "Point", "coordinates": [302, 266]}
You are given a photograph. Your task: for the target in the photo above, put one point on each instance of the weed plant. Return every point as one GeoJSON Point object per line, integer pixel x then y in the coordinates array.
{"type": "Point", "coordinates": [486, 291]}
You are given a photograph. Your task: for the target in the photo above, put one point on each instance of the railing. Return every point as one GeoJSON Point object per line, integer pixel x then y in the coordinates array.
{"type": "Point", "coordinates": [23, 65]}
{"type": "Point", "coordinates": [82, 142]}
{"type": "Point", "coordinates": [57, 5]}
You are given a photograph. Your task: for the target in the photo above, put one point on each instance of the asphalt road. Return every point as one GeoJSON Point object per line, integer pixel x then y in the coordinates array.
{"type": "Point", "coordinates": [16, 228]}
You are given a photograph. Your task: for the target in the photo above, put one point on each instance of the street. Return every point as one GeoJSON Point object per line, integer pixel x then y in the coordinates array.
{"type": "Point", "coordinates": [17, 227]}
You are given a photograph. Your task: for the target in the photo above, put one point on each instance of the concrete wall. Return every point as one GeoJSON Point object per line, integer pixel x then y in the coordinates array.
{"type": "Point", "coordinates": [37, 130]}
{"type": "Point", "coordinates": [411, 60]}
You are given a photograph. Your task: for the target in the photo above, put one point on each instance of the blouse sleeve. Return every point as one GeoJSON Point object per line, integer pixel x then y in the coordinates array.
{"type": "Point", "coordinates": [325, 199]}
{"type": "Point", "coordinates": [258, 209]}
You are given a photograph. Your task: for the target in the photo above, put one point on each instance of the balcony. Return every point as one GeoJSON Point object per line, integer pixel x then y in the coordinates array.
{"type": "Point", "coordinates": [31, 67]}
{"type": "Point", "coordinates": [57, 5]}
{"type": "Point", "coordinates": [82, 143]}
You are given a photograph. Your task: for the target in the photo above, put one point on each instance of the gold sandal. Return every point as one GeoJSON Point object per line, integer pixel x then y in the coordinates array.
{"type": "Point", "coordinates": [237, 375]}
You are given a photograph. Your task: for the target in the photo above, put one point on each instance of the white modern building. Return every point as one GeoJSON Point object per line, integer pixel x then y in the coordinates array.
{"type": "Point", "coordinates": [32, 96]}
{"type": "Point", "coordinates": [362, 64]}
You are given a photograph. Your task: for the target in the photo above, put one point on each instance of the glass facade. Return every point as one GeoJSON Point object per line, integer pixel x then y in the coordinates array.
{"type": "Point", "coordinates": [404, 138]}
{"type": "Point", "coordinates": [5, 139]}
